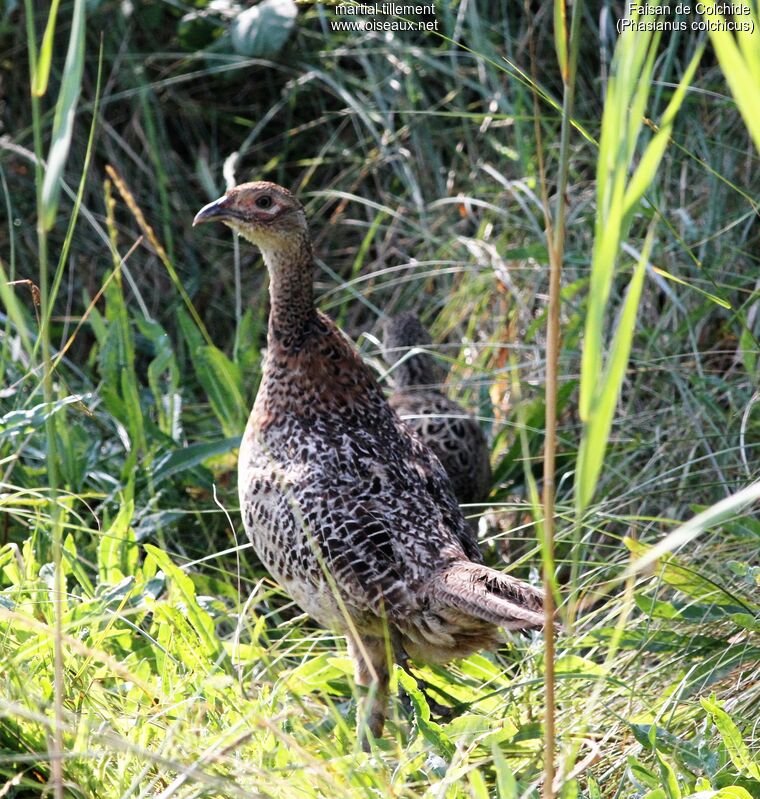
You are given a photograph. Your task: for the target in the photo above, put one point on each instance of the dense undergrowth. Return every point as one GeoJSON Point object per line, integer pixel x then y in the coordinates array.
{"type": "Point", "coordinates": [186, 672]}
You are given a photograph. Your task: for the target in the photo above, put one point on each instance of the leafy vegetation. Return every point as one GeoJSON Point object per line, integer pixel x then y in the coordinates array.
{"type": "Point", "coordinates": [130, 350]}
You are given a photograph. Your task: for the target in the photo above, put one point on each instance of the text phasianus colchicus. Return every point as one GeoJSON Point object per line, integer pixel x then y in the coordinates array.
{"type": "Point", "coordinates": [349, 511]}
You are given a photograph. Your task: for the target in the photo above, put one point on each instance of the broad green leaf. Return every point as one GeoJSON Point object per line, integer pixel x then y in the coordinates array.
{"type": "Point", "coordinates": [117, 550]}
{"type": "Point", "coordinates": [748, 352]}
{"type": "Point", "coordinates": [728, 792]}
{"type": "Point", "coordinates": [574, 664]}
{"type": "Point", "coordinates": [262, 30]}
{"type": "Point", "coordinates": [470, 727]}
{"type": "Point", "coordinates": [648, 641]}
{"type": "Point", "coordinates": [318, 673]}
{"type": "Point", "coordinates": [130, 392]}
{"type": "Point", "coordinates": [668, 777]}
{"type": "Point", "coordinates": [221, 379]}
{"type": "Point", "coordinates": [198, 618]}
{"type": "Point", "coordinates": [193, 337]}
{"type": "Point", "coordinates": [746, 527]}
{"type": "Point", "coordinates": [653, 736]}
{"type": "Point", "coordinates": [163, 378]}
{"type": "Point", "coordinates": [478, 787]}
{"type": "Point", "coordinates": [75, 565]}
{"type": "Point", "coordinates": [14, 309]}
{"type": "Point", "coordinates": [506, 784]}
{"type": "Point", "coordinates": [747, 621]}
{"type": "Point", "coordinates": [737, 750]}
{"type": "Point", "coordinates": [9, 564]}
{"type": "Point", "coordinates": [119, 387]}
{"type": "Point", "coordinates": [180, 460]}
{"type": "Point", "coordinates": [683, 610]}
{"type": "Point", "coordinates": [15, 424]}
{"type": "Point", "coordinates": [433, 733]}
{"type": "Point", "coordinates": [593, 789]}
{"type": "Point", "coordinates": [97, 322]}
{"type": "Point", "coordinates": [246, 352]}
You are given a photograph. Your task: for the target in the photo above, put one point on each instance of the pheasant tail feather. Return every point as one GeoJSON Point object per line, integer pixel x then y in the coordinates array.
{"type": "Point", "coordinates": [489, 595]}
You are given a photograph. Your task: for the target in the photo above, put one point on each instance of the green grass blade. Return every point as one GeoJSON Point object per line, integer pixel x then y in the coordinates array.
{"type": "Point", "coordinates": [65, 111]}
{"type": "Point", "coordinates": [622, 119]}
{"type": "Point", "coordinates": [715, 514]}
{"type": "Point", "coordinates": [650, 161]}
{"type": "Point", "coordinates": [597, 429]}
{"type": "Point", "coordinates": [42, 69]}
{"type": "Point", "coordinates": [740, 64]}
{"type": "Point", "coordinates": [506, 784]}
{"type": "Point", "coordinates": [74, 215]}
{"type": "Point", "coordinates": [712, 297]}
{"type": "Point", "coordinates": [14, 309]}
{"type": "Point", "coordinates": [561, 36]}
{"type": "Point", "coordinates": [617, 200]}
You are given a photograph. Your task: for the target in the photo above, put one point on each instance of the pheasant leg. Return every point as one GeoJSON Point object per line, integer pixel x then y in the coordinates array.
{"type": "Point", "coordinates": [371, 673]}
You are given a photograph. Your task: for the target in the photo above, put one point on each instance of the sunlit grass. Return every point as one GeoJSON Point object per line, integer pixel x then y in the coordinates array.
{"type": "Point", "coordinates": [185, 672]}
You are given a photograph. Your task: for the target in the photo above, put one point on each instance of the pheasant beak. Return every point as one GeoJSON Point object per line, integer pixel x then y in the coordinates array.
{"type": "Point", "coordinates": [219, 210]}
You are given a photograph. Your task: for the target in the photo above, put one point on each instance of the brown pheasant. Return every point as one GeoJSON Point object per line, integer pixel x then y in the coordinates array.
{"type": "Point", "coordinates": [351, 513]}
{"type": "Point", "coordinates": [454, 436]}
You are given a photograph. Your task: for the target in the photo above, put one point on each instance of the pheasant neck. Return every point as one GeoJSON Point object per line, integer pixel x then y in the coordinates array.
{"type": "Point", "coordinates": [418, 370]}
{"type": "Point", "coordinates": [291, 292]}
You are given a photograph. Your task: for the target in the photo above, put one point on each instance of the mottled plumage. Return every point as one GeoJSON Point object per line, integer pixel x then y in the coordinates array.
{"type": "Point", "coordinates": [351, 513]}
{"type": "Point", "coordinates": [446, 427]}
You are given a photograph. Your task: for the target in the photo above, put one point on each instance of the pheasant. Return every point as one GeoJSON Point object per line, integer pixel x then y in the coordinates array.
{"type": "Point", "coordinates": [454, 436]}
{"type": "Point", "coordinates": [348, 510]}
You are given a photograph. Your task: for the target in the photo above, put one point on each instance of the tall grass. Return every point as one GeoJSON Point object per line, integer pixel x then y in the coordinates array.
{"type": "Point", "coordinates": [567, 43]}
{"type": "Point", "coordinates": [183, 671]}
{"type": "Point", "coordinates": [48, 192]}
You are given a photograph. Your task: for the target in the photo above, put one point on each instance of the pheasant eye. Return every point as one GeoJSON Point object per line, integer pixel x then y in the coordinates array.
{"type": "Point", "coordinates": [264, 202]}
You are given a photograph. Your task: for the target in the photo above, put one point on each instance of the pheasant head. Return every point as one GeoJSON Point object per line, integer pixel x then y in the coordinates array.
{"type": "Point", "coordinates": [272, 218]}
{"type": "Point", "coordinates": [264, 213]}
